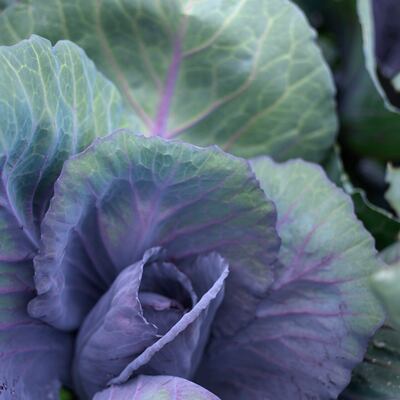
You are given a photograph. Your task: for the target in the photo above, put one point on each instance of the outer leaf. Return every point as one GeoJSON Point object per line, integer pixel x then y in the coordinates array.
{"type": "Point", "coordinates": [313, 325]}
{"type": "Point", "coordinates": [243, 74]}
{"type": "Point", "coordinates": [52, 103]}
{"type": "Point", "coordinates": [136, 193]}
{"type": "Point", "coordinates": [156, 388]}
{"type": "Point", "coordinates": [381, 35]}
{"type": "Point", "coordinates": [34, 357]}
{"type": "Point", "coordinates": [393, 193]}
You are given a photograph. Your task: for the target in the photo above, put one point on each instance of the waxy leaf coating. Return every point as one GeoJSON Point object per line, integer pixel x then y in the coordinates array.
{"type": "Point", "coordinates": [159, 257]}
{"type": "Point", "coordinates": [53, 103]}
{"type": "Point", "coordinates": [243, 74]}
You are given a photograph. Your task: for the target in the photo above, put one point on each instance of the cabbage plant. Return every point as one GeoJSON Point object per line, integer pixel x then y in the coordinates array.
{"type": "Point", "coordinates": [136, 265]}
{"type": "Point", "coordinates": [158, 263]}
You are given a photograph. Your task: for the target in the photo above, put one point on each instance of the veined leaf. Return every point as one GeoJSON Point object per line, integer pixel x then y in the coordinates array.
{"type": "Point", "coordinates": [121, 337]}
{"type": "Point", "coordinates": [53, 103]}
{"type": "Point", "coordinates": [136, 193]}
{"type": "Point", "coordinates": [313, 325]}
{"type": "Point", "coordinates": [243, 74]}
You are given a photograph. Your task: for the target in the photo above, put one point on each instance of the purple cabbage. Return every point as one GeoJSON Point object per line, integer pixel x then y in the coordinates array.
{"type": "Point", "coordinates": [160, 266]}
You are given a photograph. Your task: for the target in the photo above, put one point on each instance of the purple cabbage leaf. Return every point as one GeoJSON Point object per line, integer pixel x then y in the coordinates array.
{"type": "Point", "coordinates": [313, 325]}
{"type": "Point", "coordinates": [136, 193]}
{"type": "Point", "coordinates": [159, 265]}
{"type": "Point", "coordinates": [155, 325]}
{"type": "Point", "coordinates": [204, 210]}
{"type": "Point", "coordinates": [290, 327]}
{"type": "Point", "coordinates": [243, 74]}
{"type": "Point", "coordinates": [52, 104]}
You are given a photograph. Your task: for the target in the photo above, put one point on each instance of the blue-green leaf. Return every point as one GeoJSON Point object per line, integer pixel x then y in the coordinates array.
{"type": "Point", "coordinates": [243, 74]}
{"type": "Point", "coordinates": [53, 103]}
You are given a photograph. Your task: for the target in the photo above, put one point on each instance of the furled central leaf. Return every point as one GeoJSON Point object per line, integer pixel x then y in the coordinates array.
{"type": "Point", "coordinates": [118, 340]}
{"type": "Point", "coordinates": [243, 74]}
{"type": "Point", "coordinates": [130, 193]}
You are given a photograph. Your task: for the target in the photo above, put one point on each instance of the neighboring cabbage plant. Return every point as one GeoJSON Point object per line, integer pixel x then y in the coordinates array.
{"type": "Point", "coordinates": [381, 34]}
{"type": "Point", "coordinates": [141, 267]}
